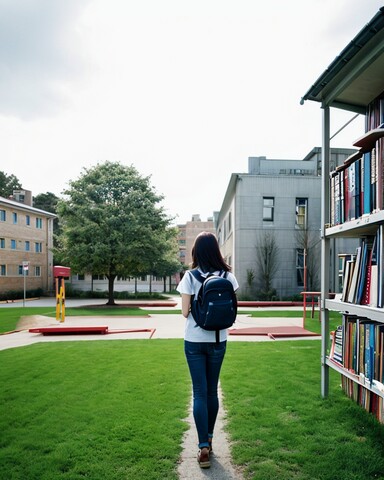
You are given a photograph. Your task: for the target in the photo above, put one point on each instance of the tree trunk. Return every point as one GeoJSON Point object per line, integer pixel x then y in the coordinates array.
{"type": "Point", "coordinates": [111, 281]}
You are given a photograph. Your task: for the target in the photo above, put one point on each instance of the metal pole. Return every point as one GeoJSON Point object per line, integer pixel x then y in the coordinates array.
{"type": "Point", "coordinates": [24, 275]}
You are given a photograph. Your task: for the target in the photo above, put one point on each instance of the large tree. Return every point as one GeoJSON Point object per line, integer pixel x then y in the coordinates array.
{"type": "Point", "coordinates": [112, 223]}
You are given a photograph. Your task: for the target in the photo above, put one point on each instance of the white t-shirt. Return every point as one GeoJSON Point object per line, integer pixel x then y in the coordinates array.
{"type": "Point", "coordinates": [191, 286]}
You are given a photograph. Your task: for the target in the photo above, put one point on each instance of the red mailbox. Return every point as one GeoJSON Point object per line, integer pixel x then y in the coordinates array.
{"type": "Point", "coordinates": [59, 271]}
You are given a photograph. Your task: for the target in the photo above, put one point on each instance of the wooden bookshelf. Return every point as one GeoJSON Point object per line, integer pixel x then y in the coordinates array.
{"type": "Point", "coordinates": [368, 141]}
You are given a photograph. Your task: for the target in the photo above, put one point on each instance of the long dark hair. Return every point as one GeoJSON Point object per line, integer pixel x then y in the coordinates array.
{"type": "Point", "coordinates": [206, 254]}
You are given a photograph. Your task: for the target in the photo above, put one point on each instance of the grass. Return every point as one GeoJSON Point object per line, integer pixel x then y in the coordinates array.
{"type": "Point", "coordinates": [98, 410]}
{"type": "Point", "coordinates": [282, 428]}
{"type": "Point", "coordinates": [114, 409]}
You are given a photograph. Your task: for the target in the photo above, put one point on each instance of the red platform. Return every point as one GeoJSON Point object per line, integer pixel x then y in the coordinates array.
{"type": "Point", "coordinates": [274, 332]}
{"type": "Point", "coordinates": [98, 329]}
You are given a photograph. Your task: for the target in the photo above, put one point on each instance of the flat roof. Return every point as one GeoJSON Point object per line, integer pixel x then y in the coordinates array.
{"type": "Point", "coordinates": [355, 77]}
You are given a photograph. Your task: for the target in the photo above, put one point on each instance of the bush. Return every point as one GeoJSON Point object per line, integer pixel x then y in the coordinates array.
{"type": "Point", "coordinates": [71, 292]}
{"type": "Point", "coordinates": [13, 295]}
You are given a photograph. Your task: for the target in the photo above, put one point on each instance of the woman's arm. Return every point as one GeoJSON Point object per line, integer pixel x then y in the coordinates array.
{"type": "Point", "coordinates": [185, 304]}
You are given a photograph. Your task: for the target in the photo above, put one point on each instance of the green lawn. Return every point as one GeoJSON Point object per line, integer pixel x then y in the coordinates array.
{"type": "Point", "coordinates": [114, 410]}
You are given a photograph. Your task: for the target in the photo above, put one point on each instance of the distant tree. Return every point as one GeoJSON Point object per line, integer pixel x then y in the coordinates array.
{"type": "Point", "coordinates": [267, 259]}
{"type": "Point", "coordinates": [112, 224]}
{"type": "Point", "coordinates": [168, 264]}
{"type": "Point", "coordinates": [309, 243]}
{"type": "Point", "coordinates": [8, 183]}
{"type": "Point", "coordinates": [48, 202]}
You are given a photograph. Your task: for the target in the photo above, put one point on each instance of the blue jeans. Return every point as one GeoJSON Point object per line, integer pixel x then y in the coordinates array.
{"type": "Point", "coordinates": [204, 362]}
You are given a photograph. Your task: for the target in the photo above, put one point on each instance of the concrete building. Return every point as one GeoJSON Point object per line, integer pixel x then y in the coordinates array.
{"type": "Point", "coordinates": [26, 240]}
{"type": "Point", "coordinates": [278, 200]}
{"type": "Point", "coordinates": [187, 234]}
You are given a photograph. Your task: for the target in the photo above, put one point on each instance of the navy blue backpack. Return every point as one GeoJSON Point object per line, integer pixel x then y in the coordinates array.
{"type": "Point", "coordinates": [215, 306]}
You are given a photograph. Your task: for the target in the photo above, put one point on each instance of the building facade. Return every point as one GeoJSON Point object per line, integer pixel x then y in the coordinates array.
{"type": "Point", "coordinates": [26, 241]}
{"type": "Point", "coordinates": [187, 234]}
{"type": "Point", "coordinates": [277, 203]}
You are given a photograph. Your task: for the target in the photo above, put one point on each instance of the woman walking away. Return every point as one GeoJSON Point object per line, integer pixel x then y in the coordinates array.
{"type": "Point", "coordinates": [203, 353]}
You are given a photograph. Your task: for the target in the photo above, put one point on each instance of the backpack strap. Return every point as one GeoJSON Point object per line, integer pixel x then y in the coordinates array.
{"type": "Point", "coordinates": [197, 275]}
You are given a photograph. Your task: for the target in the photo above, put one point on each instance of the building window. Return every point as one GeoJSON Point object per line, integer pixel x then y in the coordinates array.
{"type": "Point", "coordinates": [230, 222]}
{"type": "Point", "coordinates": [38, 247]}
{"type": "Point", "coordinates": [23, 271]}
{"type": "Point", "coordinates": [14, 218]}
{"type": "Point", "coordinates": [301, 212]}
{"type": "Point", "coordinates": [2, 242]}
{"type": "Point", "coordinates": [13, 244]}
{"type": "Point", "coordinates": [37, 271]}
{"type": "Point", "coordinates": [27, 220]}
{"type": "Point", "coordinates": [27, 245]}
{"type": "Point", "coordinates": [39, 223]}
{"type": "Point", "coordinates": [268, 208]}
{"type": "Point", "coordinates": [300, 267]}
{"type": "Point", "coordinates": [3, 270]}
{"type": "Point", "coordinates": [3, 216]}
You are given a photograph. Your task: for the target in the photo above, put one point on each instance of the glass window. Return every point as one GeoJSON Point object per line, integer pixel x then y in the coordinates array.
{"type": "Point", "coordinates": [14, 218]}
{"type": "Point", "coordinates": [3, 270]}
{"type": "Point", "coordinates": [38, 247]}
{"type": "Point", "coordinates": [37, 271]}
{"type": "Point", "coordinates": [268, 208]}
{"type": "Point", "coordinates": [22, 271]}
{"type": "Point", "coordinates": [28, 220]}
{"type": "Point", "coordinates": [301, 212]}
{"type": "Point", "coordinates": [27, 245]}
{"type": "Point", "coordinates": [300, 267]}
{"type": "Point", "coordinates": [39, 223]}
{"type": "Point", "coordinates": [3, 215]}
{"type": "Point", "coordinates": [13, 244]}
{"type": "Point", "coordinates": [2, 242]}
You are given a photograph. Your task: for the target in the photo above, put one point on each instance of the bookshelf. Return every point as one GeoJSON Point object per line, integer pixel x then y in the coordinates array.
{"type": "Point", "coordinates": [353, 207]}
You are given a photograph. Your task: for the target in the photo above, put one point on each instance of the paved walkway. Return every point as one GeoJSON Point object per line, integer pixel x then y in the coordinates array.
{"type": "Point", "coordinates": [167, 326]}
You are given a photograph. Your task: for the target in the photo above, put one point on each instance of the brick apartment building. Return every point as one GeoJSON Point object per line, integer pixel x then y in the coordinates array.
{"type": "Point", "coordinates": [26, 240]}
{"type": "Point", "coordinates": [187, 234]}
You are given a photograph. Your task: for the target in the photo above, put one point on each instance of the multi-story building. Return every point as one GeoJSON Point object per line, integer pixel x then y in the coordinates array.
{"type": "Point", "coordinates": [187, 234]}
{"type": "Point", "coordinates": [26, 241]}
{"type": "Point", "coordinates": [276, 202]}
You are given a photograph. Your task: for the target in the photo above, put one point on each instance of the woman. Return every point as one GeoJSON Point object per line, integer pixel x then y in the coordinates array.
{"type": "Point", "coordinates": [203, 354]}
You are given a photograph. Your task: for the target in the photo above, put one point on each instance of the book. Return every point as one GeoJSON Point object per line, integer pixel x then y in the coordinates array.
{"type": "Point", "coordinates": [351, 192]}
{"type": "Point", "coordinates": [373, 290]}
{"type": "Point", "coordinates": [380, 263]}
{"type": "Point", "coordinates": [357, 190]}
{"type": "Point", "coordinates": [373, 180]}
{"type": "Point", "coordinates": [353, 286]}
{"type": "Point", "coordinates": [367, 183]}
{"type": "Point", "coordinates": [349, 267]}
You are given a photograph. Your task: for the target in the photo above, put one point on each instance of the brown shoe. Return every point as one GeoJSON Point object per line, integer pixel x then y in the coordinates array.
{"type": "Point", "coordinates": [203, 458]}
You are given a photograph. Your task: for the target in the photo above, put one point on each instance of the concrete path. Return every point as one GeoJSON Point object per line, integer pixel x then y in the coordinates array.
{"type": "Point", "coordinates": [221, 463]}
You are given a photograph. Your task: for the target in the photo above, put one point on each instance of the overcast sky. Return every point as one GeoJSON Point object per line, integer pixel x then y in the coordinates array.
{"type": "Point", "coordinates": [184, 90]}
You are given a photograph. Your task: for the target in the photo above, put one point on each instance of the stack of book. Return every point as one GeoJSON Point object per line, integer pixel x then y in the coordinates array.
{"type": "Point", "coordinates": [356, 186]}
{"type": "Point", "coordinates": [362, 276]}
{"type": "Point", "coordinates": [358, 346]}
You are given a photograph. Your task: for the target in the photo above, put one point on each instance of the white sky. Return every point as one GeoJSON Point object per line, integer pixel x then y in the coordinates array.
{"type": "Point", "coordinates": [184, 90]}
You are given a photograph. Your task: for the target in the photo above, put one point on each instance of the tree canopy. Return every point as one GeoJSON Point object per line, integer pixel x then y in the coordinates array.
{"type": "Point", "coordinates": [8, 183]}
{"type": "Point", "coordinates": [112, 224]}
